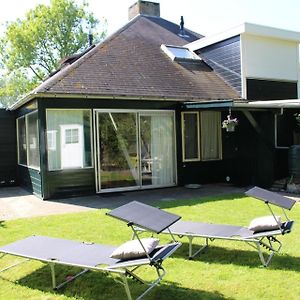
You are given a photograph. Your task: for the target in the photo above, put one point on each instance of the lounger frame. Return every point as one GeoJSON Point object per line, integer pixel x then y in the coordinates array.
{"type": "Point", "coordinates": [260, 241]}
{"type": "Point", "coordinates": [123, 268]}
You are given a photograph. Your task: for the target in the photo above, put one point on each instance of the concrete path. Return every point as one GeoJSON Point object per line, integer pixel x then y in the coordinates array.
{"type": "Point", "coordinates": [17, 203]}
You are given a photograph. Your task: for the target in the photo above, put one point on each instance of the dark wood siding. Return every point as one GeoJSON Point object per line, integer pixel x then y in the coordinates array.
{"type": "Point", "coordinates": [225, 59]}
{"type": "Point", "coordinates": [8, 149]}
{"type": "Point", "coordinates": [249, 157]}
{"type": "Point", "coordinates": [31, 180]}
{"type": "Point", "coordinates": [65, 183]}
{"type": "Point", "coordinates": [267, 89]}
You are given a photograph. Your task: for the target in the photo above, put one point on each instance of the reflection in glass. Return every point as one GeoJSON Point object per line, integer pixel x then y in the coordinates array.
{"type": "Point", "coordinates": [68, 139]}
{"type": "Point", "coordinates": [33, 140]}
{"type": "Point", "coordinates": [118, 150]}
{"type": "Point", "coordinates": [22, 145]}
{"type": "Point", "coordinates": [157, 149]}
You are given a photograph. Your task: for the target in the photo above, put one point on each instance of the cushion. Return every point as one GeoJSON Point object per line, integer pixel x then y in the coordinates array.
{"type": "Point", "coordinates": [133, 249]}
{"type": "Point", "coordinates": [264, 223]}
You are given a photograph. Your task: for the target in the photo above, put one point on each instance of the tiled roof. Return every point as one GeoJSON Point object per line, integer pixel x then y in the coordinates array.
{"type": "Point", "coordinates": [131, 64]}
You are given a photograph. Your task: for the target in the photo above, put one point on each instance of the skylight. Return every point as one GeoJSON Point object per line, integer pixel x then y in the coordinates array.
{"type": "Point", "coordinates": [179, 53]}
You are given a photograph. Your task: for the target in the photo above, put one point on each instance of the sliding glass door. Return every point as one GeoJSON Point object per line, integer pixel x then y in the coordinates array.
{"type": "Point", "coordinates": [118, 147]}
{"type": "Point", "coordinates": [134, 150]}
{"type": "Point", "coordinates": [157, 149]}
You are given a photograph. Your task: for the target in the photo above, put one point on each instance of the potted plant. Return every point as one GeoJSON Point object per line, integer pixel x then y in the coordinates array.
{"type": "Point", "coordinates": [230, 123]}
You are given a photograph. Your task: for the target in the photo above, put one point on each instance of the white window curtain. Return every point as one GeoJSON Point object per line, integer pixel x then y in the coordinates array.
{"type": "Point", "coordinates": [162, 149]}
{"type": "Point", "coordinates": [211, 144]}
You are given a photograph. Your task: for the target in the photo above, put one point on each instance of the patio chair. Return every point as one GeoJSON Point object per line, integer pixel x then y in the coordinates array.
{"type": "Point", "coordinates": [262, 235]}
{"type": "Point", "coordinates": [97, 257]}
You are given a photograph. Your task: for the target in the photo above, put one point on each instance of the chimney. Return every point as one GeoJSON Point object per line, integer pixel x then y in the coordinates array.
{"type": "Point", "coordinates": [144, 8]}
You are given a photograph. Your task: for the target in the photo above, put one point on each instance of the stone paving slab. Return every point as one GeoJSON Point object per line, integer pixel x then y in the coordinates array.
{"type": "Point", "coordinates": [16, 203]}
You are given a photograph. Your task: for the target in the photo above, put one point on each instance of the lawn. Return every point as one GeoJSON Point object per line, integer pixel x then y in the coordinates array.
{"type": "Point", "coordinates": [226, 270]}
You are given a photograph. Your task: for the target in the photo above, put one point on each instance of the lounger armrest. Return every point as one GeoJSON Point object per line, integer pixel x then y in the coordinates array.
{"type": "Point", "coordinates": [163, 252]}
{"type": "Point", "coordinates": [287, 226]}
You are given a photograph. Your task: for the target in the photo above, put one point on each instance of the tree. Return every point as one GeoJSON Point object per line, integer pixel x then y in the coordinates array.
{"type": "Point", "coordinates": [14, 84]}
{"type": "Point", "coordinates": [34, 46]}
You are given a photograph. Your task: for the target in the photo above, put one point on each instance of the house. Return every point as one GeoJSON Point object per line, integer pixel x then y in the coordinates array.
{"type": "Point", "coordinates": [144, 110]}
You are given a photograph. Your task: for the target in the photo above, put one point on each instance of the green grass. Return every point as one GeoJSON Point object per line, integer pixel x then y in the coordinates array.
{"type": "Point", "coordinates": [227, 270]}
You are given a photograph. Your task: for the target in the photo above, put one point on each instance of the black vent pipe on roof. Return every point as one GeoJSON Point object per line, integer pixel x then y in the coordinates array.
{"type": "Point", "coordinates": [181, 29]}
{"type": "Point", "coordinates": [90, 38]}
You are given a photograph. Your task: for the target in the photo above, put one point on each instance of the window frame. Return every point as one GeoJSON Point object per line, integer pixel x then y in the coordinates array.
{"type": "Point", "coordinates": [18, 140]}
{"type": "Point", "coordinates": [91, 139]}
{"type": "Point", "coordinates": [27, 141]}
{"type": "Point", "coordinates": [200, 143]}
{"type": "Point", "coordinates": [27, 165]}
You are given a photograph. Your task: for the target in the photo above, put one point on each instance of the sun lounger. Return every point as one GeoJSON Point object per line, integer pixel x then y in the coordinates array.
{"type": "Point", "coordinates": [90, 256]}
{"type": "Point", "coordinates": [257, 239]}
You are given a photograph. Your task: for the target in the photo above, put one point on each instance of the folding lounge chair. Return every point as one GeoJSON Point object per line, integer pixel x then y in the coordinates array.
{"type": "Point", "coordinates": [258, 240]}
{"type": "Point", "coordinates": [89, 256]}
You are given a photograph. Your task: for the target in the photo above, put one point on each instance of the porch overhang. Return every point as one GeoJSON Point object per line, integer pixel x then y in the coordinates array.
{"type": "Point", "coordinates": [207, 104]}
{"type": "Point", "coordinates": [287, 103]}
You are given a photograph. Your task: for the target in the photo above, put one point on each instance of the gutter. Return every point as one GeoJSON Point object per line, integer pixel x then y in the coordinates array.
{"type": "Point", "coordinates": [32, 96]}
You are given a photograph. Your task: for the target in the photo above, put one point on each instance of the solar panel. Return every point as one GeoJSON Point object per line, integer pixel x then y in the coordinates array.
{"type": "Point", "coordinates": [145, 216]}
{"type": "Point", "coordinates": [271, 197]}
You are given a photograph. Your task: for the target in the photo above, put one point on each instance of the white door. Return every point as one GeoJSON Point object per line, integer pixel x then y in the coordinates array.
{"type": "Point", "coordinates": [71, 146]}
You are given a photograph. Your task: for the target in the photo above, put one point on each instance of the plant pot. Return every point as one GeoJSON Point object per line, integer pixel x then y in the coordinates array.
{"type": "Point", "coordinates": [230, 128]}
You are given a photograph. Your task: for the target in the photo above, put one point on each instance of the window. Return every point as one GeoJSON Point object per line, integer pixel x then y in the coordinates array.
{"type": "Point", "coordinates": [207, 125]}
{"type": "Point", "coordinates": [22, 145]}
{"type": "Point", "coordinates": [68, 139]}
{"type": "Point", "coordinates": [32, 140]}
{"type": "Point", "coordinates": [179, 53]}
{"type": "Point", "coordinates": [28, 140]}
{"type": "Point", "coordinates": [190, 136]}
{"type": "Point", "coordinates": [72, 136]}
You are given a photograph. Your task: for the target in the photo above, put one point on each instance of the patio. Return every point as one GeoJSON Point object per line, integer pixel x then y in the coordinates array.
{"type": "Point", "coordinates": [16, 202]}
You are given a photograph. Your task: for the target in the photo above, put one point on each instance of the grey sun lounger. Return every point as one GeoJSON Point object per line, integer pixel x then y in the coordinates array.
{"type": "Point", "coordinates": [264, 240]}
{"type": "Point", "coordinates": [90, 256]}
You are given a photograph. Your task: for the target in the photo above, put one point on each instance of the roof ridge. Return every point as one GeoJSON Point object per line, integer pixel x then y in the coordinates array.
{"type": "Point", "coordinates": [61, 74]}
{"type": "Point", "coordinates": [199, 35]}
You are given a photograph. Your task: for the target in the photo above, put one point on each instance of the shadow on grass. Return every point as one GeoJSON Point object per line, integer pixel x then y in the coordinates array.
{"type": "Point", "coordinates": [219, 255]}
{"type": "Point", "coordinates": [2, 224]}
{"type": "Point", "coordinates": [98, 285]}
{"type": "Point", "coordinates": [195, 201]}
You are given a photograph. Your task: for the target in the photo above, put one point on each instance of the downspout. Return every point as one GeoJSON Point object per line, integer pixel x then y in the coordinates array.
{"type": "Point", "coordinates": [275, 129]}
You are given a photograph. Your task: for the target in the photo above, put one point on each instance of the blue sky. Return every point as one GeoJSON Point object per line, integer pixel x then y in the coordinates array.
{"type": "Point", "coordinates": [203, 16]}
